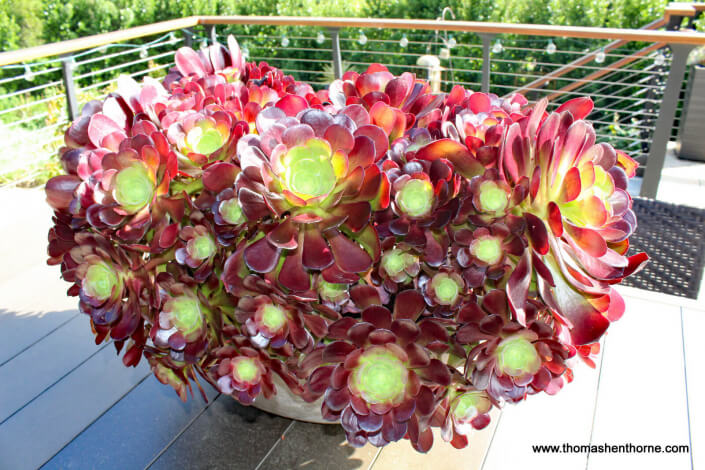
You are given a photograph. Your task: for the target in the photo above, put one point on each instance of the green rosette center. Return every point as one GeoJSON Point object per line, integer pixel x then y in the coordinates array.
{"type": "Point", "coordinates": [203, 247]}
{"type": "Point", "coordinates": [309, 170]}
{"type": "Point", "coordinates": [446, 288]}
{"type": "Point", "coordinates": [273, 317]}
{"type": "Point", "coordinates": [134, 187]}
{"type": "Point", "coordinates": [416, 198]}
{"type": "Point", "coordinates": [492, 197]}
{"type": "Point", "coordinates": [231, 212]}
{"type": "Point", "coordinates": [487, 249]}
{"type": "Point", "coordinates": [204, 141]}
{"type": "Point", "coordinates": [380, 377]}
{"type": "Point", "coordinates": [245, 369]}
{"type": "Point", "coordinates": [517, 356]}
{"type": "Point", "coordinates": [186, 315]}
{"type": "Point", "coordinates": [100, 281]}
{"type": "Point", "coordinates": [469, 404]}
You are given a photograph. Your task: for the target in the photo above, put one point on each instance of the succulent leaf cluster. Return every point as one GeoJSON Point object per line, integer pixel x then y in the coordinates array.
{"type": "Point", "coordinates": [409, 259]}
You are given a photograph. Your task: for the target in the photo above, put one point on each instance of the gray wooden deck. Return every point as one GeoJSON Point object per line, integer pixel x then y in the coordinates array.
{"type": "Point", "coordinates": [66, 403]}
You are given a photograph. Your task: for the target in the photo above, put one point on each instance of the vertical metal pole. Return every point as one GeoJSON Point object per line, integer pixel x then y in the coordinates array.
{"type": "Point", "coordinates": [664, 122]}
{"type": "Point", "coordinates": [188, 37]}
{"type": "Point", "coordinates": [486, 40]}
{"type": "Point", "coordinates": [212, 33]}
{"type": "Point", "coordinates": [67, 65]}
{"type": "Point", "coordinates": [335, 49]}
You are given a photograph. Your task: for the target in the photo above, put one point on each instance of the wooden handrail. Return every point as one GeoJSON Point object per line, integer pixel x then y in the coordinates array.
{"type": "Point", "coordinates": [680, 37]}
{"type": "Point", "coordinates": [679, 9]}
{"type": "Point", "coordinates": [74, 45]}
{"type": "Point", "coordinates": [67, 47]}
{"type": "Point", "coordinates": [559, 72]}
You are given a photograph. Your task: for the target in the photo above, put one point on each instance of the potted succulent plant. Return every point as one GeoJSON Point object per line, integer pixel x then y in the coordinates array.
{"type": "Point", "coordinates": [401, 259]}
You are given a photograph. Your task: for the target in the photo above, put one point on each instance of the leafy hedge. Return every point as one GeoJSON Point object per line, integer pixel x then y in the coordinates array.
{"type": "Point", "coordinates": [30, 22]}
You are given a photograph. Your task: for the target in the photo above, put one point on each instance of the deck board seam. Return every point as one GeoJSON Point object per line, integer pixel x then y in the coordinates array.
{"type": "Point", "coordinates": [276, 443]}
{"type": "Point", "coordinates": [29, 346]}
{"type": "Point", "coordinates": [374, 459]}
{"type": "Point", "coordinates": [687, 395]}
{"type": "Point", "coordinates": [489, 446]}
{"type": "Point", "coordinates": [181, 432]}
{"type": "Point", "coordinates": [96, 419]}
{"type": "Point", "coordinates": [597, 397]}
{"type": "Point", "coordinates": [68, 372]}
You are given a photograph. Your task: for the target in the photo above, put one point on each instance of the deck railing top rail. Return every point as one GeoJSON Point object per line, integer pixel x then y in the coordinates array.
{"type": "Point", "coordinates": [67, 47]}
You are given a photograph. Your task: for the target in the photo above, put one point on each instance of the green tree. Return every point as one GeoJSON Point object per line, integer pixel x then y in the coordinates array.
{"type": "Point", "coordinates": [21, 23]}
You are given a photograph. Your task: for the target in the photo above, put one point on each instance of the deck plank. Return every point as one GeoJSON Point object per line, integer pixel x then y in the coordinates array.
{"type": "Point", "coordinates": [131, 433]}
{"type": "Point", "coordinates": [693, 327]}
{"type": "Point", "coordinates": [32, 305]}
{"type": "Point", "coordinates": [39, 430]}
{"type": "Point", "coordinates": [226, 436]}
{"type": "Point", "coordinates": [547, 420]}
{"type": "Point", "coordinates": [24, 240]}
{"type": "Point", "coordinates": [318, 447]}
{"type": "Point", "coordinates": [74, 341]}
{"type": "Point", "coordinates": [642, 399]}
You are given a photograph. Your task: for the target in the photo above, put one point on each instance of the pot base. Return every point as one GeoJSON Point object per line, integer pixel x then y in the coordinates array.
{"type": "Point", "coordinates": [291, 406]}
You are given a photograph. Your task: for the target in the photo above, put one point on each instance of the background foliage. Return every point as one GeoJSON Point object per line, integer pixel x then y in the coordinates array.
{"type": "Point", "coordinates": [25, 23]}
{"type": "Point", "coordinates": [30, 22]}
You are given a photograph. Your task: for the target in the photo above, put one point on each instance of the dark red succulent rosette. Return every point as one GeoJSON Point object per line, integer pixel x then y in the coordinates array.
{"type": "Point", "coordinates": [486, 254]}
{"type": "Point", "coordinates": [198, 247]}
{"type": "Point", "coordinates": [335, 296]}
{"type": "Point", "coordinates": [314, 177]}
{"type": "Point", "coordinates": [243, 373]}
{"type": "Point", "coordinates": [215, 62]}
{"type": "Point", "coordinates": [398, 266]}
{"type": "Point", "coordinates": [444, 290]}
{"type": "Point", "coordinates": [183, 322]}
{"type": "Point", "coordinates": [216, 74]}
{"type": "Point", "coordinates": [381, 377]}
{"type": "Point", "coordinates": [577, 215]}
{"type": "Point", "coordinates": [395, 103]}
{"type": "Point", "coordinates": [111, 284]}
{"type": "Point", "coordinates": [271, 320]}
{"type": "Point", "coordinates": [125, 187]}
{"type": "Point", "coordinates": [508, 360]}
{"type": "Point", "coordinates": [115, 189]}
{"type": "Point", "coordinates": [422, 204]}
{"type": "Point", "coordinates": [204, 136]}
{"type": "Point", "coordinates": [479, 120]}
{"type": "Point", "coordinates": [463, 410]}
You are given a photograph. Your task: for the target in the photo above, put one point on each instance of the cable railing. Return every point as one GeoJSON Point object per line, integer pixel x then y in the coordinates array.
{"type": "Point", "coordinates": [632, 75]}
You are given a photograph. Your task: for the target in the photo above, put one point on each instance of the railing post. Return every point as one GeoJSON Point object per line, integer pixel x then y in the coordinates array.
{"type": "Point", "coordinates": [664, 122]}
{"type": "Point", "coordinates": [67, 65]}
{"type": "Point", "coordinates": [212, 33]}
{"type": "Point", "coordinates": [188, 37]}
{"type": "Point", "coordinates": [335, 49]}
{"type": "Point", "coordinates": [486, 40]}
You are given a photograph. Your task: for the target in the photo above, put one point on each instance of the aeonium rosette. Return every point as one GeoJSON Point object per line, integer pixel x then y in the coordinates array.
{"type": "Point", "coordinates": [577, 213]}
{"type": "Point", "coordinates": [381, 377]}
{"type": "Point", "coordinates": [203, 136]}
{"type": "Point", "coordinates": [506, 359]}
{"type": "Point", "coordinates": [314, 176]}
{"type": "Point", "coordinates": [111, 285]}
{"type": "Point", "coordinates": [412, 260]}
{"type": "Point", "coordinates": [181, 325]}
{"type": "Point", "coordinates": [465, 410]}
